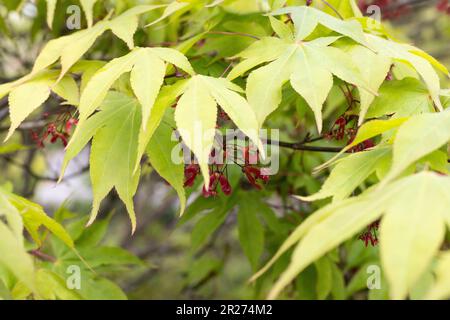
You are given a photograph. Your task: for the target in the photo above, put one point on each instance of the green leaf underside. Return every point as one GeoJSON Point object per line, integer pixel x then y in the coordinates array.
{"type": "Point", "coordinates": [403, 199]}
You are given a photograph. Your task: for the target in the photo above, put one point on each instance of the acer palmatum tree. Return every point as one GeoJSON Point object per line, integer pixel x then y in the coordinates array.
{"type": "Point", "coordinates": [304, 125]}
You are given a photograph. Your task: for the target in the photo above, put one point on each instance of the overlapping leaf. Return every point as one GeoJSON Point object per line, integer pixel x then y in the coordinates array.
{"type": "Point", "coordinates": [114, 131]}
{"type": "Point", "coordinates": [306, 20]}
{"type": "Point", "coordinates": [72, 47]}
{"type": "Point", "coordinates": [26, 96]}
{"type": "Point", "coordinates": [412, 230]}
{"type": "Point", "coordinates": [374, 68]}
{"type": "Point", "coordinates": [159, 151]}
{"type": "Point", "coordinates": [409, 146]}
{"type": "Point", "coordinates": [401, 98]}
{"type": "Point", "coordinates": [21, 214]}
{"type": "Point", "coordinates": [308, 65]}
{"type": "Point", "coordinates": [196, 115]}
{"type": "Point", "coordinates": [86, 4]}
{"type": "Point", "coordinates": [349, 173]}
{"type": "Point", "coordinates": [147, 66]}
{"type": "Point", "coordinates": [420, 61]}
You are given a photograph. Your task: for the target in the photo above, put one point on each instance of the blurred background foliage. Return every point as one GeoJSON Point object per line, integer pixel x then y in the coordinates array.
{"type": "Point", "coordinates": [178, 258]}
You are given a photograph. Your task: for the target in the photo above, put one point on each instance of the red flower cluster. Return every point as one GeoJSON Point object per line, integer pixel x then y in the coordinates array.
{"type": "Point", "coordinates": [190, 173]}
{"type": "Point", "coordinates": [371, 234]}
{"type": "Point", "coordinates": [367, 144]}
{"type": "Point", "coordinates": [339, 131]}
{"type": "Point", "coordinates": [59, 129]}
{"type": "Point", "coordinates": [218, 176]}
{"type": "Point", "coordinates": [443, 6]}
{"type": "Point", "coordinates": [254, 175]}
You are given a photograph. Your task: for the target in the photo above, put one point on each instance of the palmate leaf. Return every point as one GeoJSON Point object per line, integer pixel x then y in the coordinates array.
{"type": "Point", "coordinates": [115, 131]}
{"type": "Point", "coordinates": [416, 209]}
{"type": "Point", "coordinates": [87, 8]}
{"type": "Point", "coordinates": [196, 115]}
{"type": "Point", "coordinates": [441, 287]}
{"type": "Point", "coordinates": [434, 129]}
{"type": "Point", "coordinates": [72, 47]}
{"type": "Point", "coordinates": [367, 131]}
{"type": "Point", "coordinates": [13, 254]}
{"type": "Point", "coordinates": [113, 154]}
{"type": "Point", "coordinates": [251, 231]}
{"type": "Point", "coordinates": [159, 151]}
{"type": "Point", "coordinates": [420, 61]}
{"type": "Point", "coordinates": [147, 66]}
{"type": "Point", "coordinates": [349, 173]}
{"type": "Point", "coordinates": [308, 65]}
{"type": "Point", "coordinates": [33, 217]}
{"type": "Point", "coordinates": [306, 20]}
{"type": "Point", "coordinates": [21, 214]}
{"type": "Point", "coordinates": [373, 67]}
{"type": "Point", "coordinates": [401, 98]}
{"type": "Point", "coordinates": [171, 9]}
{"type": "Point", "coordinates": [26, 96]}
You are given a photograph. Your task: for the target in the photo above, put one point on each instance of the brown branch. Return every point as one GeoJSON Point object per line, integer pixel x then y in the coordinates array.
{"type": "Point", "coordinates": [42, 256]}
{"type": "Point", "coordinates": [241, 34]}
{"type": "Point", "coordinates": [301, 146]}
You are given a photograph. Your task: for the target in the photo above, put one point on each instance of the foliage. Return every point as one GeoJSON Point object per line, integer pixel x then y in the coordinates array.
{"type": "Point", "coordinates": [321, 74]}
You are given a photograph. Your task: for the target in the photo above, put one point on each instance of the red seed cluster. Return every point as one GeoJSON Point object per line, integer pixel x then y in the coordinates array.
{"type": "Point", "coordinates": [370, 235]}
{"type": "Point", "coordinates": [343, 129]}
{"type": "Point", "coordinates": [218, 174]}
{"type": "Point", "coordinates": [59, 129]}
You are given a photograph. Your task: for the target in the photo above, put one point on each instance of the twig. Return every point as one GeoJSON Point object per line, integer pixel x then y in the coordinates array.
{"type": "Point", "coordinates": [302, 147]}
{"type": "Point", "coordinates": [333, 8]}
{"type": "Point", "coordinates": [226, 33]}
{"type": "Point", "coordinates": [42, 256]}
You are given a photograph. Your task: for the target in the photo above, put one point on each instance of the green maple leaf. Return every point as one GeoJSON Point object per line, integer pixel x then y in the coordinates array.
{"type": "Point", "coordinates": [69, 49]}
{"type": "Point", "coordinates": [306, 19]}
{"type": "Point", "coordinates": [401, 98]}
{"type": "Point", "coordinates": [159, 151]}
{"type": "Point", "coordinates": [419, 60]}
{"type": "Point", "coordinates": [349, 173]}
{"type": "Point", "coordinates": [87, 6]}
{"type": "Point", "coordinates": [196, 115]}
{"type": "Point", "coordinates": [114, 131]}
{"type": "Point", "coordinates": [441, 287]}
{"type": "Point", "coordinates": [409, 147]}
{"type": "Point", "coordinates": [308, 65]}
{"type": "Point", "coordinates": [21, 214]}
{"type": "Point", "coordinates": [412, 230]}
{"type": "Point", "coordinates": [29, 93]}
{"type": "Point", "coordinates": [148, 68]}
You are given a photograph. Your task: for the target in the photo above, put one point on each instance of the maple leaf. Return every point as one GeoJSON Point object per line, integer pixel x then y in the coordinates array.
{"type": "Point", "coordinates": [415, 212]}
{"type": "Point", "coordinates": [196, 115]}
{"type": "Point", "coordinates": [308, 65]}
{"type": "Point", "coordinates": [148, 68]}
